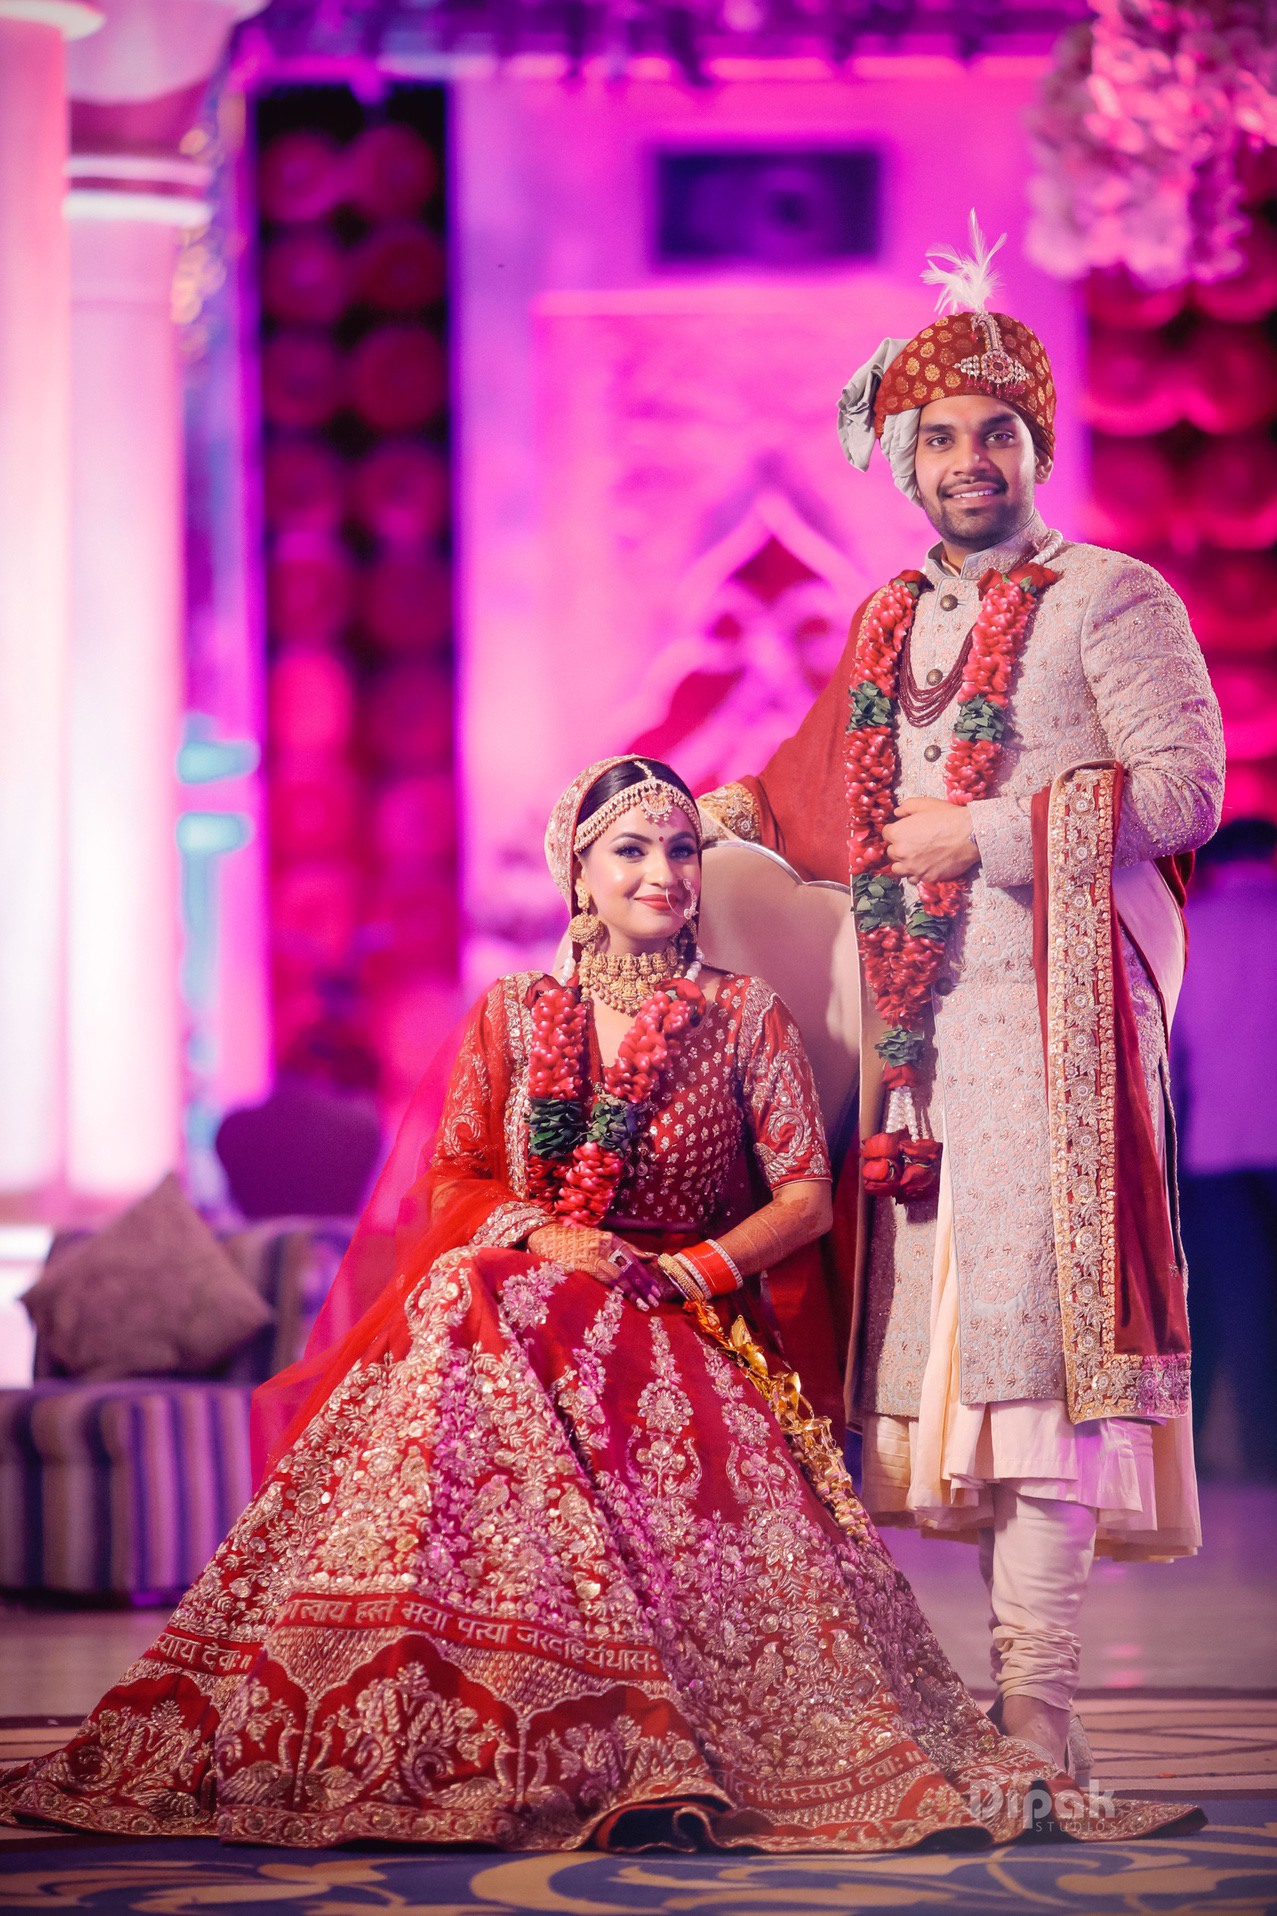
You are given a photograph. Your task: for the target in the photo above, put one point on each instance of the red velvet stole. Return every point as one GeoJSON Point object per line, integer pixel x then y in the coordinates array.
{"type": "Point", "coordinates": [1121, 1289]}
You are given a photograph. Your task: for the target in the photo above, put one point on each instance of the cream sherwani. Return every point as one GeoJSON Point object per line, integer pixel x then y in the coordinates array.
{"type": "Point", "coordinates": [958, 1370]}
{"type": "Point", "coordinates": [960, 1379]}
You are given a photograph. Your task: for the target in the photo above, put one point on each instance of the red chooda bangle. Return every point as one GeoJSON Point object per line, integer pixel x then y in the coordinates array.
{"type": "Point", "coordinates": [714, 1267]}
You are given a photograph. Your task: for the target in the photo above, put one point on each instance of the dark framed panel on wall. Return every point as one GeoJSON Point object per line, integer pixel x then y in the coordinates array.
{"type": "Point", "coordinates": [759, 206]}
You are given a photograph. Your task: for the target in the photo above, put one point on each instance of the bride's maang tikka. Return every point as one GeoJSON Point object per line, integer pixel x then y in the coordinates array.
{"type": "Point", "coordinates": [653, 796]}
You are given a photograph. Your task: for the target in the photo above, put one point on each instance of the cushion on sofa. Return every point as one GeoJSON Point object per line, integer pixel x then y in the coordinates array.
{"type": "Point", "coordinates": [125, 1487]}
{"type": "Point", "coordinates": [151, 1294]}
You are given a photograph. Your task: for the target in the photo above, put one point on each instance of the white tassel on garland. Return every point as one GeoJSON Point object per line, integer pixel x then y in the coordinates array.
{"type": "Point", "coordinates": [966, 285]}
{"type": "Point", "coordinates": [903, 1113]}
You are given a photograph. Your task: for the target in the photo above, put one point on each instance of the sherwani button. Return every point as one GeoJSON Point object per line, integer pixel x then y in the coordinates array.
{"type": "Point", "coordinates": [931, 754]}
{"type": "Point", "coordinates": [948, 602]}
{"type": "Point", "coordinates": [934, 676]}
{"type": "Point", "coordinates": [943, 987]}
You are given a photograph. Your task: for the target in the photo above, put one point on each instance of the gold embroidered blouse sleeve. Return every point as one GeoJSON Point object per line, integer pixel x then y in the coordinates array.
{"type": "Point", "coordinates": [779, 1094]}
{"type": "Point", "coordinates": [782, 1117]}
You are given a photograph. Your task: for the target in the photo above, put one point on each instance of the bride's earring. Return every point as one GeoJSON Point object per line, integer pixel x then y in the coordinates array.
{"type": "Point", "coordinates": [585, 927]}
{"type": "Point", "coordinates": [689, 931]}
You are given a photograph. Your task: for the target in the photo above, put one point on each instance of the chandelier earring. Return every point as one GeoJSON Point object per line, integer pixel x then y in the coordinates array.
{"type": "Point", "coordinates": [586, 926]}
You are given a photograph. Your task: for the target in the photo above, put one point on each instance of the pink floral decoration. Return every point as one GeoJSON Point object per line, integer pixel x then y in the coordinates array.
{"type": "Point", "coordinates": [1138, 132]}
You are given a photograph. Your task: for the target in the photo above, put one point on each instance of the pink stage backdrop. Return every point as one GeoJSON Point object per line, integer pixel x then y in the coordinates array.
{"type": "Point", "coordinates": [662, 542]}
{"type": "Point", "coordinates": [1182, 399]}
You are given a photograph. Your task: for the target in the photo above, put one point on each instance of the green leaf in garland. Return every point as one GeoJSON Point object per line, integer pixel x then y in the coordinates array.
{"type": "Point", "coordinates": [613, 1122]}
{"type": "Point", "coordinates": [923, 925]}
{"type": "Point", "coordinates": [869, 706]}
{"type": "Point", "coordinates": [555, 1127]}
{"type": "Point", "coordinates": [980, 718]}
{"type": "Point", "coordinates": [878, 899]}
{"type": "Point", "coordinates": [898, 1045]}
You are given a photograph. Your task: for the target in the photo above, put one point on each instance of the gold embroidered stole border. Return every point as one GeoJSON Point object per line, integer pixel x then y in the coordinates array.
{"type": "Point", "coordinates": [1081, 1062]}
{"type": "Point", "coordinates": [735, 809]}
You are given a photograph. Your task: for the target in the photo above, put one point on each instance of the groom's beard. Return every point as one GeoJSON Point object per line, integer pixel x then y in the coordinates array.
{"type": "Point", "coordinates": [990, 522]}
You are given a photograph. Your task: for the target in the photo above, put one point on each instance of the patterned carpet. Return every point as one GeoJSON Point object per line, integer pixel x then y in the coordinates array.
{"type": "Point", "coordinates": [1201, 1744]}
{"type": "Point", "coordinates": [1231, 1866]}
{"type": "Point", "coordinates": [1220, 1750]}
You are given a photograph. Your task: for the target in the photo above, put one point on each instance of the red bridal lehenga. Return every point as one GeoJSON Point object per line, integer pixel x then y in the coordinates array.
{"type": "Point", "coordinates": [533, 1569]}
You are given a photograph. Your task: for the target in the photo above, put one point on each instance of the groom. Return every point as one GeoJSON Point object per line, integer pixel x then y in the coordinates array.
{"type": "Point", "coordinates": [1012, 806]}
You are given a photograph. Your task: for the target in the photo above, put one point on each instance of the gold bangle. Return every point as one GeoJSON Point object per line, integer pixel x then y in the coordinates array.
{"type": "Point", "coordinates": [683, 1277]}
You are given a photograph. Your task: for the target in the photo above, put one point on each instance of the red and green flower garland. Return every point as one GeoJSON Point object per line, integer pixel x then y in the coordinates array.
{"type": "Point", "coordinates": [902, 951]}
{"type": "Point", "coordinates": [576, 1163]}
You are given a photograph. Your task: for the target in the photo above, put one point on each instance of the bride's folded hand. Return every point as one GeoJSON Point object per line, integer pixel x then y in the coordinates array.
{"type": "Point", "coordinates": [605, 1256]}
{"type": "Point", "coordinates": [638, 1277]}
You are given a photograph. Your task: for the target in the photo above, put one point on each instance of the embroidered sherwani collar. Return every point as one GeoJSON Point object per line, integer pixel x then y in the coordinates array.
{"type": "Point", "coordinates": [1032, 541]}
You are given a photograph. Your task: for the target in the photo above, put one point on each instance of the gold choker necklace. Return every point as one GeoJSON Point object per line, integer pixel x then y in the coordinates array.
{"type": "Point", "coordinates": [625, 980]}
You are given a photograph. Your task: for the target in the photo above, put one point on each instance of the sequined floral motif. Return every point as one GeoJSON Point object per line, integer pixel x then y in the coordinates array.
{"type": "Point", "coordinates": [730, 811]}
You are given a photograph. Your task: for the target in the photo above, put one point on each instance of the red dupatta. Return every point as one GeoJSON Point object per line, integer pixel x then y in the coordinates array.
{"type": "Point", "coordinates": [445, 1176]}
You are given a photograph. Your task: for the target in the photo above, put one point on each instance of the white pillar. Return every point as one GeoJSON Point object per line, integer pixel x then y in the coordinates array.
{"type": "Point", "coordinates": [123, 1037]}
{"type": "Point", "coordinates": [135, 90]}
{"type": "Point", "coordinates": [34, 501]}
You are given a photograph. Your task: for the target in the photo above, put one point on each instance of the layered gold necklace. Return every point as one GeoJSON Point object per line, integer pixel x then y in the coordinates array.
{"type": "Point", "coordinates": [625, 980]}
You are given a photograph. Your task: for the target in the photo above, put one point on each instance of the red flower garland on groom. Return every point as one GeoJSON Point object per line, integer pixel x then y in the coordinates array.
{"type": "Point", "coordinates": [902, 950]}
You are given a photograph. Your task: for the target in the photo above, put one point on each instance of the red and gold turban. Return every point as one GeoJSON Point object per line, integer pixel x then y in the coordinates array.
{"type": "Point", "coordinates": [987, 353]}
{"type": "Point", "coordinates": [968, 349]}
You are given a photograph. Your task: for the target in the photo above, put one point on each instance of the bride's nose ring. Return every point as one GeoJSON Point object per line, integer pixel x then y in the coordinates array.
{"type": "Point", "coordinates": [689, 909]}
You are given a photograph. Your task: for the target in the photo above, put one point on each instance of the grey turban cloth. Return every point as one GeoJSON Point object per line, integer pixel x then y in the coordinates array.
{"type": "Point", "coordinates": [900, 429]}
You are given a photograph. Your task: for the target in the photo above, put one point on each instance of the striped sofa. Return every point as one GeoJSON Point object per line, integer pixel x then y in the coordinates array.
{"type": "Point", "coordinates": [126, 1488]}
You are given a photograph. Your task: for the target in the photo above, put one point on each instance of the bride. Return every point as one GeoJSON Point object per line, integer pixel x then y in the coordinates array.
{"type": "Point", "coordinates": [550, 1550]}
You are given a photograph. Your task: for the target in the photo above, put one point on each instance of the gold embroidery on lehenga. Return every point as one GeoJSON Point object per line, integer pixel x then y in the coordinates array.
{"type": "Point", "coordinates": [525, 1296]}
{"type": "Point", "coordinates": [580, 1389]}
{"type": "Point", "coordinates": [542, 1559]}
{"type": "Point", "coordinates": [661, 1454]}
